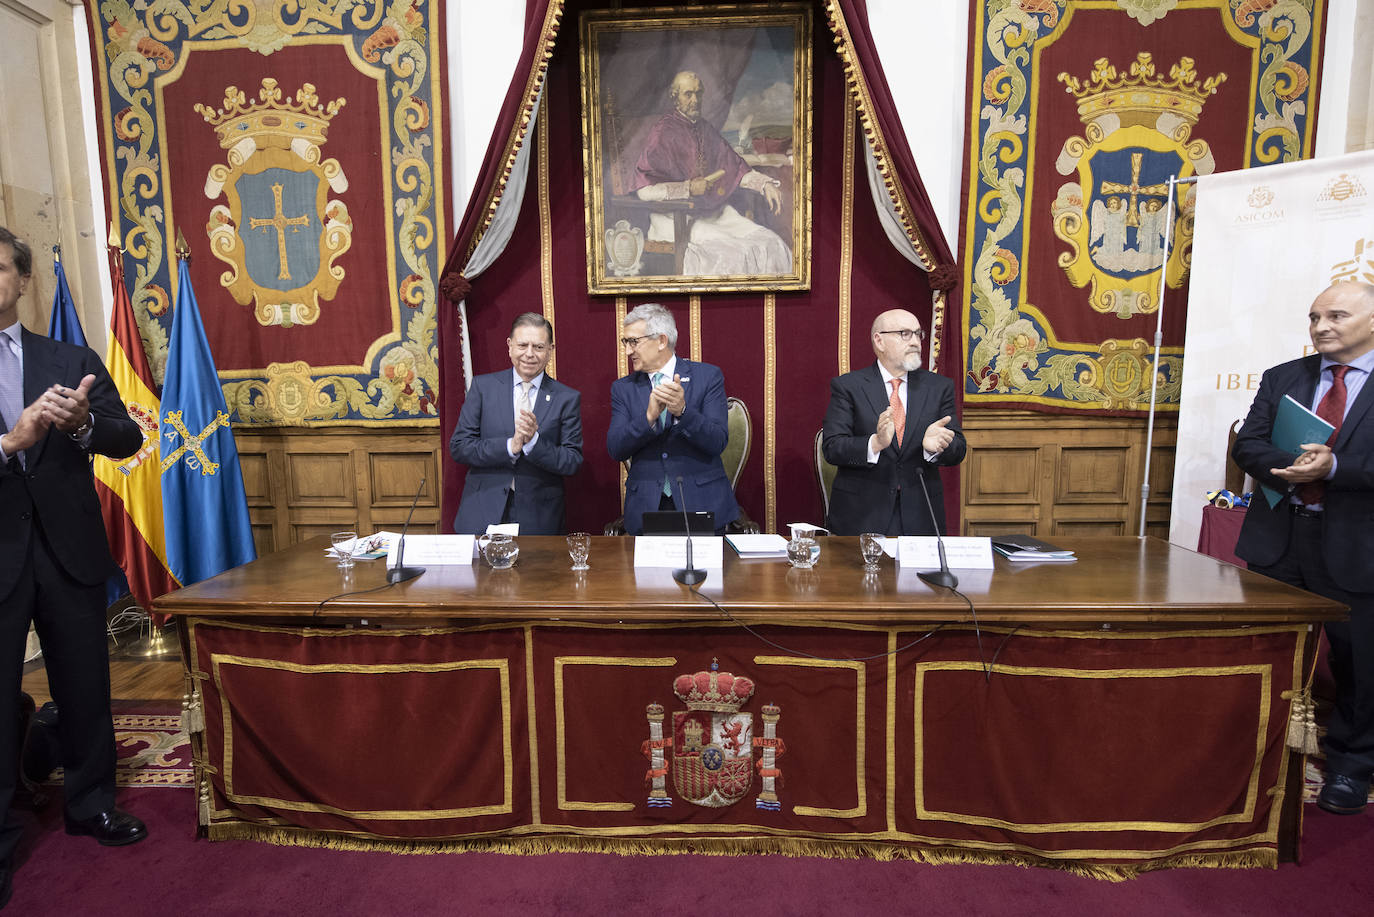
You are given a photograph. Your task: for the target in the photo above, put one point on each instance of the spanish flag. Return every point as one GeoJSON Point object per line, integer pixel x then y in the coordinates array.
{"type": "Point", "coordinates": [130, 491]}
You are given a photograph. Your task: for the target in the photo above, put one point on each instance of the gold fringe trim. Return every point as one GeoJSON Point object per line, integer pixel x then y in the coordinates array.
{"type": "Point", "coordinates": [1263, 858]}
{"type": "Point", "coordinates": [533, 84]}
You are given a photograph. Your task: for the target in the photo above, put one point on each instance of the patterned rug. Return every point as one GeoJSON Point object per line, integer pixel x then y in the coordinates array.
{"type": "Point", "coordinates": [153, 749]}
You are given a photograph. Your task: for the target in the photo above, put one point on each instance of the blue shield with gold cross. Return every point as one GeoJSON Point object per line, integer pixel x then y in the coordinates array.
{"type": "Point", "coordinates": [280, 227]}
{"type": "Point", "coordinates": [279, 230]}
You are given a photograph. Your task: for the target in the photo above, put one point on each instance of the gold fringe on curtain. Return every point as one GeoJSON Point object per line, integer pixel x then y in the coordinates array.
{"type": "Point", "coordinates": [1266, 858]}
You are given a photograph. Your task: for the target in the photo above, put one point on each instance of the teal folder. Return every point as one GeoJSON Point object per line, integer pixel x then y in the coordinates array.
{"type": "Point", "coordinates": [1293, 426]}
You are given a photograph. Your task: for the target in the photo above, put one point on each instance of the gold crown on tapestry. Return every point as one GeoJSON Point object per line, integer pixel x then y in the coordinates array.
{"type": "Point", "coordinates": [1140, 92]}
{"type": "Point", "coordinates": [271, 121]}
{"type": "Point", "coordinates": [721, 692]}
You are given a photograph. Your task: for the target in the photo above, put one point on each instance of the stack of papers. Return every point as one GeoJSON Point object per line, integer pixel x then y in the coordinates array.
{"type": "Point", "coordinates": [1023, 548]}
{"type": "Point", "coordinates": [367, 547]}
{"type": "Point", "coordinates": [758, 545]}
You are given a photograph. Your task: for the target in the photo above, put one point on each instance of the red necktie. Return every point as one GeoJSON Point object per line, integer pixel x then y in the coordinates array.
{"type": "Point", "coordinates": [898, 414]}
{"type": "Point", "coordinates": [1331, 410]}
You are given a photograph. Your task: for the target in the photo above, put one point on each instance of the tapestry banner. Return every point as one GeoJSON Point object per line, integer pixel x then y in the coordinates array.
{"type": "Point", "coordinates": [299, 149]}
{"type": "Point", "coordinates": [1106, 753]}
{"type": "Point", "coordinates": [1080, 112]}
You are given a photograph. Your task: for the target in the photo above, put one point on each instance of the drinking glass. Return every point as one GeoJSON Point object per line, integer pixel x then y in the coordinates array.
{"type": "Point", "coordinates": [344, 542]}
{"type": "Point", "coordinates": [871, 547]}
{"type": "Point", "coordinates": [579, 546]}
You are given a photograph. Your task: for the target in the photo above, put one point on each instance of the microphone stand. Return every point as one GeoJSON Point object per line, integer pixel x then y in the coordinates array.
{"type": "Point", "coordinates": [689, 575]}
{"type": "Point", "coordinates": [943, 576]}
{"type": "Point", "coordinates": [398, 573]}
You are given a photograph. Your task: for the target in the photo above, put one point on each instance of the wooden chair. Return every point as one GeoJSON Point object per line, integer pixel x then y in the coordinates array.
{"type": "Point", "coordinates": [734, 457]}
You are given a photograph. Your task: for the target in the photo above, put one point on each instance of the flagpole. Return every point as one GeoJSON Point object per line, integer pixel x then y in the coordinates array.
{"type": "Point", "coordinates": [1174, 182]}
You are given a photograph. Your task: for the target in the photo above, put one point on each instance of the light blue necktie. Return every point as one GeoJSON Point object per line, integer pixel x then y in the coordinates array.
{"type": "Point", "coordinates": [661, 424]}
{"type": "Point", "coordinates": [11, 387]}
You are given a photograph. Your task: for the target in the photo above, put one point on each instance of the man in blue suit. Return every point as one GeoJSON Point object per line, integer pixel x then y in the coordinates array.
{"type": "Point", "coordinates": [1320, 535]}
{"type": "Point", "coordinates": [668, 416]}
{"type": "Point", "coordinates": [520, 434]}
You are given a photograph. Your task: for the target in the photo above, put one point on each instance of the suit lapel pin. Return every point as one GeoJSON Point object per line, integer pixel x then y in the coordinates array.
{"type": "Point", "coordinates": [548, 397]}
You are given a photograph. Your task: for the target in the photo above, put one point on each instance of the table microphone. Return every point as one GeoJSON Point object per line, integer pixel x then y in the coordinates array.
{"type": "Point", "coordinates": [689, 575]}
{"type": "Point", "coordinates": [943, 576]}
{"type": "Point", "coordinates": [398, 573]}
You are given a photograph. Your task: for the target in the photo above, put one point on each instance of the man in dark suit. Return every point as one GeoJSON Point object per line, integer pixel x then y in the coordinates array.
{"type": "Point", "coordinates": [886, 424]}
{"type": "Point", "coordinates": [520, 434]}
{"type": "Point", "coordinates": [57, 406]}
{"type": "Point", "coordinates": [669, 418]}
{"type": "Point", "coordinates": [1320, 535]}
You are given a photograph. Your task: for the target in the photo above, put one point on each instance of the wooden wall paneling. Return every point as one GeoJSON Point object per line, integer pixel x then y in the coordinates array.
{"type": "Point", "coordinates": [1063, 474]}
{"type": "Point", "coordinates": [393, 479]}
{"type": "Point", "coordinates": [304, 483]}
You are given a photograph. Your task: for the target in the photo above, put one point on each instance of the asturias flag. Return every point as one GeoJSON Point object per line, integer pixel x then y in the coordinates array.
{"type": "Point", "coordinates": [130, 490]}
{"type": "Point", "coordinates": [204, 506]}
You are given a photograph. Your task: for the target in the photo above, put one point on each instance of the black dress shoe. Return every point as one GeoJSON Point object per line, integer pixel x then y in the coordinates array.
{"type": "Point", "coordinates": [1343, 795]}
{"type": "Point", "coordinates": [112, 828]}
{"type": "Point", "coordinates": [6, 886]}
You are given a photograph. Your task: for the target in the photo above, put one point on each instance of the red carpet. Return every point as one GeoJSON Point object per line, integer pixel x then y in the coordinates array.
{"type": "Point", "coordinates": [171, 872]}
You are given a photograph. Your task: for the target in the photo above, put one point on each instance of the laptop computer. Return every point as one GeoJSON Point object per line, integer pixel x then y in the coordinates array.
{"type": "Point", "coordinates": [673, 523]}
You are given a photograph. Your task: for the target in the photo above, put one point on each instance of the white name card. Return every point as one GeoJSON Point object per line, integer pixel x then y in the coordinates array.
{"type": "Point", "coordinates": [923, 552]}
{"type": "Point", "coordinates": [670, 551]}
{"type": "Point", "coordinates": [434, 549]}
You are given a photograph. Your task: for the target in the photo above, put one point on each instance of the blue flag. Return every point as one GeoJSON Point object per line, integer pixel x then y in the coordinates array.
{"type": "Point", "coordinates": [204, 509]}
{"type": "Point", "coordinates": [64, 325]}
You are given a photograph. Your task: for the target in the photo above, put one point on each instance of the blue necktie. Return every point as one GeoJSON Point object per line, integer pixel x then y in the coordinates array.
{"type": "Point", "coordinates": [661, 424]}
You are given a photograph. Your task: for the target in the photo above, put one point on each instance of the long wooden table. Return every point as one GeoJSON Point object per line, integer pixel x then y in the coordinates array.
{"type": "Point", "coordinates": [1122, 712]}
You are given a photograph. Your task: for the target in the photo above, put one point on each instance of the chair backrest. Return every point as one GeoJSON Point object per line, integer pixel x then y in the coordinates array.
{"type": "Point", "coordinates": [737, 442]}
{"type": "Point", "coordinates": [825, 472]}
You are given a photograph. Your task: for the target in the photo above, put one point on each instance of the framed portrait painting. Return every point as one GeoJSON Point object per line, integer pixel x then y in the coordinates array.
{"type": "Point", "coordinates": [696, 130]}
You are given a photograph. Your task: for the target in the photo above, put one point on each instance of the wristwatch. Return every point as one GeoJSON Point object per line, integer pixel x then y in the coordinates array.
{"type": "Point", "coordinates": [82, 431]}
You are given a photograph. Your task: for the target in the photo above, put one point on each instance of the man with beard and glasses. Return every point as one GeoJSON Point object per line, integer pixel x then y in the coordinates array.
{"type": "Point", "coordinates": [871, 436]}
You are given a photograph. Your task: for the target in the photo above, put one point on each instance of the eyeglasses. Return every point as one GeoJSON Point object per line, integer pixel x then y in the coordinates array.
{"type": "Point", "coordinates": [525, 345]}
{"type": "Point", "coordinates": [634, 342]}
{"type": "Point", "coordinates": [906, 334]}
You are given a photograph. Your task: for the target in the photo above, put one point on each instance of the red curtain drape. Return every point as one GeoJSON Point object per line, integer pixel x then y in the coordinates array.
{"type": "Point", "coordinates": [778, 358]}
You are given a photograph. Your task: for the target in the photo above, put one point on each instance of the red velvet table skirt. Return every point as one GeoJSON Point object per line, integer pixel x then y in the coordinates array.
{"type": "Point", "coordinates": [1220, 531]}
{"type": "Point", "coordinates": [1104, 751]}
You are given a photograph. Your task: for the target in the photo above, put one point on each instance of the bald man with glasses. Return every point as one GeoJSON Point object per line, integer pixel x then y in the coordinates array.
{"type": "Point", "coordinates": [887, 424]}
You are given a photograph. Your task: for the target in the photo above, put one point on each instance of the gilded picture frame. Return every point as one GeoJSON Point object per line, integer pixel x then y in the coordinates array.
{"type": "Point", "coordinates": [697, 173]}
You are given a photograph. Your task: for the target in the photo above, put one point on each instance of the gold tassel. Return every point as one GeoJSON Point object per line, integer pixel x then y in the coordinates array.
{"type": "Point", "coordinates": [1297, 725]}
{"type": "Point", "coordinates": [204, 808]}
{"type": "Point", "coordinates": [1309, 731]}
{"type": "Point", "coordinates": [192, 713]}
{"type": "Point", "coordinates": [1302, 723]}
